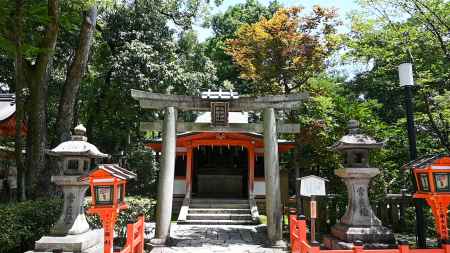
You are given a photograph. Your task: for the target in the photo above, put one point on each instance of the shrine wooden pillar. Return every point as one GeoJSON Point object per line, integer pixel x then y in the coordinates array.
{"type": "Point", "coordinates": [251, 171]}
{"type": "Point", "coordinates": [166, 177]}
{"type": "Point", "coordinates": [189, 171]}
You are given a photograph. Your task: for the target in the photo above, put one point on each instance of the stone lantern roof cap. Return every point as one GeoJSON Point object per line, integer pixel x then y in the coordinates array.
{"type": "Point", "coordinates": [78, 146]}
{"type": "Point", "coordinates": [356, 140]}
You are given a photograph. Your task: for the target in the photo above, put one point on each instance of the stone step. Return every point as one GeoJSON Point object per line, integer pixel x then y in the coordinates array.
{"type": "Point", "coordinates": [219, 206]}
{"type": "Point", "coordinates": [218, 211]}
{"type": "Point", "coordinates": [205, 216]}
{"type": "Point", "coordinates": [217, 222]}
{"type": "Point", "coordinates": [218, 201]}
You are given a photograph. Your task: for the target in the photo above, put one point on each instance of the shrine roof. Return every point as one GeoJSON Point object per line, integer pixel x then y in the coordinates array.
{"type": "Point", "coordinates": [7, 106]}
{"type": "Point", "coordinates": [233, 117]}
{"type": "Point", "coordinates": [249, 134]}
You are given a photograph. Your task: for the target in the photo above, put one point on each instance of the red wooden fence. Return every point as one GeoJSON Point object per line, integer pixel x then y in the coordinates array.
{"type": "Point", "coordinates": [135, 237]}
{"type": "Point", "coordinates": [299, 243]}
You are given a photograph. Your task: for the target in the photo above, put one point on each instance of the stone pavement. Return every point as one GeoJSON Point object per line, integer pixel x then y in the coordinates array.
{"type": "Point", "coordinates": [215, 239]}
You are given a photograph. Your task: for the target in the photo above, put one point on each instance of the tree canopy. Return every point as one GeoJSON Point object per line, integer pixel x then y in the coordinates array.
{"type": "Point", "coordinates": [280, 54]}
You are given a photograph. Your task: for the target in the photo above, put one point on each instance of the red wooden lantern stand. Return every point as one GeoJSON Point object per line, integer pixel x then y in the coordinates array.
{"type": "Point", "coordinates": [439, 208]}
{"type": "Point", "coordinates": [107, 184]}
{"type": "Point", "coordinates": [432, 176]}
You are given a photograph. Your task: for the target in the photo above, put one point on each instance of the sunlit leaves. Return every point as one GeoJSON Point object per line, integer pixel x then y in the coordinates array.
{"type": "Point", "coordinates": [280, 54]}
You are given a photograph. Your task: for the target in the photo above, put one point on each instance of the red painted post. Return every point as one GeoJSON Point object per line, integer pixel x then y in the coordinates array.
{"type": "Point", "coordinates": [403, 246]}
{"type": "Point", "coordinates": [358, 246]}
{"type": "Point", "coordinates": [301, 225]}
{"type": "Point", "coordinates": [292, 228]}
{"type": "Point", "coordinates": [130, 237]}
{"type": "Point", "coordinates": [315, 247]}
{"type": "Point", "coordinates": [446, 246]}
{"type": "Point", "coordinates": [141, 233]}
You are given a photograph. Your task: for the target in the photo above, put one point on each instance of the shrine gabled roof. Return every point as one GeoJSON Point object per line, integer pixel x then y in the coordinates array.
{"type": "Point", "coordinates": [7, 106]}
{"type": "Point", "coordinates": [249, 134]}
{"type": "Point", "coordinates": [233, 117]}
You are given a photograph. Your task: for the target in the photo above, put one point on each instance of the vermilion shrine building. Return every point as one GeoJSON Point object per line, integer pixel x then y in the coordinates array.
{"type": "Point", "coordinates": [8, 171]}
{"type": "Point", "coordinates": [220, 164]}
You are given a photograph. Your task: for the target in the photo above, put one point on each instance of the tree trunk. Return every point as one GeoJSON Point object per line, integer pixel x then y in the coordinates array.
{"type": "Point", "coordinates": [74, 76]}
{"type": "Point", "coordinates": [20, 97]}
{"type": "Point", "coordinates": [38, 81]}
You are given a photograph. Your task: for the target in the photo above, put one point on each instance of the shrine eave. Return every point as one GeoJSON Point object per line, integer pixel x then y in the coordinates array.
{"type": "Point", "coordinates": [8, 116]}
{"type": "Point", "coordinates": [196, 139]}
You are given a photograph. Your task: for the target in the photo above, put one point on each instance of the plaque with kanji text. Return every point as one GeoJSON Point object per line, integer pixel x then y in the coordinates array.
{"type": "Point", "coordinates": [219, 113]}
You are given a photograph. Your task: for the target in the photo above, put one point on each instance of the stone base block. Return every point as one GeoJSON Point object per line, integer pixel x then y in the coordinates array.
{"type": "Point", "coordinates": [367, 234]}
{"type": "Point", "coordinates": [331, 242]}
{"type": "Point", "coordinates": [280, 244]}
{"type": "Point", "coordinates": [89, 242]}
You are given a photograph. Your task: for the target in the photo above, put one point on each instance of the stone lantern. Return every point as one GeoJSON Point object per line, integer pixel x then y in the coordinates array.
{"type": "Point", "coordinates": [359, 222]}
{"type": "Point", "coordinates": [72, 232]}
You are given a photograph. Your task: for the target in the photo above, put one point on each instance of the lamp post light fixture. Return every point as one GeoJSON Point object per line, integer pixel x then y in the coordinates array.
{"type": "Point", "coordinates": [405, 72]}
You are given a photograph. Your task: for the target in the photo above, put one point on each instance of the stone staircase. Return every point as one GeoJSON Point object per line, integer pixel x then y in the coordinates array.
{"type": "Point", "coordinates": [203, 211]}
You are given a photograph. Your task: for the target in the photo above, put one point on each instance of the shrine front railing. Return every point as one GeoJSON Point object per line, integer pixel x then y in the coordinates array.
{"type": "Point", "coordinates": [135, 237]}
{"type": "Point", "coordinates": [391, 210]}
{"type": "Point", "coordinates": [300, 244]}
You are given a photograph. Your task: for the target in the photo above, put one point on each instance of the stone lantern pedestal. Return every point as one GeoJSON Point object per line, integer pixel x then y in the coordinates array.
{"type": "Point", "coordinates": [72, 221]}
{"type": "Point", "coordinates": [359, 222]}
{"type": "Point", "coordinates": [71, 233]}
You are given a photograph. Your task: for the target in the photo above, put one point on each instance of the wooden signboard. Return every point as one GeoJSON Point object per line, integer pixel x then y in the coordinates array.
{"type": "Point", "coordinates": [312, 186]}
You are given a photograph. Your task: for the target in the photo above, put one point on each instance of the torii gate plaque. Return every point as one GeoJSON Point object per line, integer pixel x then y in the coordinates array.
{"type": "Point", "coordinates": [169, 127]}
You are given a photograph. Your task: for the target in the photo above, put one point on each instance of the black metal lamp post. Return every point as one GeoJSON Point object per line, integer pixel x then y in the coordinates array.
{"type": "Point", "coordinates": [406, 80]}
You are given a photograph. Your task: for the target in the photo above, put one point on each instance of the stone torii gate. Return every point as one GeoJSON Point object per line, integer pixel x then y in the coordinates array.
{"type": "Point", "coordinates": [229, 101]}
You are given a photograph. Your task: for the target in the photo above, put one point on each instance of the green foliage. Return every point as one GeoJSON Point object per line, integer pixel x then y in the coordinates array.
{"type": "Point", "coordinates": [24, 223]}
{"type": "Point", "coordinates": [280, 54]}
{"type": "Point", "coordinates": [224, 26]}
{"type": "Point", "coordinates": [137, 50]}
{"type": "Point", "coordinates": [142, 161]}
{"type": "Point", "coordinates": [324, 120]}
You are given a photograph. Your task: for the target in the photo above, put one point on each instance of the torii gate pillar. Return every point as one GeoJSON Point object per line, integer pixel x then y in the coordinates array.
{"type": "Point", "coordinates": [272, 178]}
{"type": "Point", "coordinates": [166, 177]}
